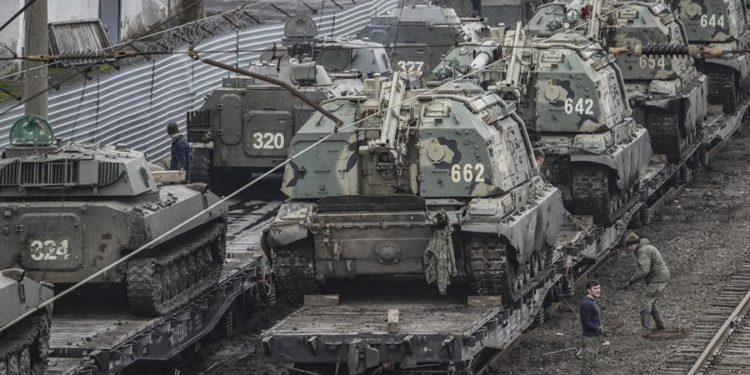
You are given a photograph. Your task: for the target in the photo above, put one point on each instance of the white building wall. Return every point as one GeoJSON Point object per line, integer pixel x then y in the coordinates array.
{"type": "Point", "coordinates": [71, 10]}
{"type": "Point", "coordinates": [139, 16]}
{"type": "Point", "coordinates": [11, 38]}
{"type": "Point", "coordinates": [136, 18]}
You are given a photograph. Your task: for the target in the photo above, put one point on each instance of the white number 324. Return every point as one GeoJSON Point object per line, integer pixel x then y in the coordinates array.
{"type": "Point", "coordinates": [49, 250]}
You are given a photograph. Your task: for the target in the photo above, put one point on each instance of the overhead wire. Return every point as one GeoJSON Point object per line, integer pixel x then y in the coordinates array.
{"type": "Point", "coordinates": [49, 88]}
{"type": "Point", "coordinates": [18, 13]}
{"type": "Point", "coordinates": [125, 54]}
{"type": "Point", "coordinates": [125, 43]}
{"type": "Point", "coordinates": [111, 55]}
{"type": "Point", "coordinates": [114, 54]}
{"type": "Point", "coordinates": [223, 200]}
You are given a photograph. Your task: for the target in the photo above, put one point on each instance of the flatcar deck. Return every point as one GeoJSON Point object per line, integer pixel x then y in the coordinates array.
{"type": "Point", "coordinates": [104, 340]}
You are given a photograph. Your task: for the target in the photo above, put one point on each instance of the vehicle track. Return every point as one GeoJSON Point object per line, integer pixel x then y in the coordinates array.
{"type": "Point", "coordinates": [249, 215]}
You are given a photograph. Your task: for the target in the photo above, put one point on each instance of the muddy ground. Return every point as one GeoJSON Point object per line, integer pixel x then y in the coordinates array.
{"type": "Point", "coordinates": [703, 237]}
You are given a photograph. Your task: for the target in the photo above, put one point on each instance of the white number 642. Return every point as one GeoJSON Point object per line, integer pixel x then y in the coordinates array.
{"type": "Point", "coordinates": [581, 106]}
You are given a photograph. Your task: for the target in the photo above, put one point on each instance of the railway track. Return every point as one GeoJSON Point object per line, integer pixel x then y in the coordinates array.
{"type": "Point", "coordinates": [720, 342]}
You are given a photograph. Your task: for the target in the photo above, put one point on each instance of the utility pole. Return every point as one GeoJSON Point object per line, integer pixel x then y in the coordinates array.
{"type": "Point", "coordinates": [36, 42]}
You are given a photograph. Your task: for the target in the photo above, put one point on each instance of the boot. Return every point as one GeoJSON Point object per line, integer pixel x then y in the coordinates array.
{"type": "Point", "coordinates": [657, 318]}
{"type": "Point", "coordinates": [646, 319]}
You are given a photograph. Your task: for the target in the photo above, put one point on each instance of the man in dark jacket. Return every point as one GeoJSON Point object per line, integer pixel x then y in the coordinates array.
{"type": "Point", "coordinates": [654, 272]}
{"type": "Point", "coordinates": [593, 329]}
{"type": "Point", "coordinates": [180, 151]}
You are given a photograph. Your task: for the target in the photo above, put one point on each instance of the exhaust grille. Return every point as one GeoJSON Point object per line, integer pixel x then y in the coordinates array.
{"type": "Point", "coordinates": [108, 173]}
{"type": "Point", "coordinates": [9, 174]}
{"type": "Point", "coordinates": [49, 173]}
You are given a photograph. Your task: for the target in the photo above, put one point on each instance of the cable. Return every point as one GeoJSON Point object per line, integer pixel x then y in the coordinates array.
{"type": "Point", "coordinates": [398, 28]}
{"type": "Point", "coordinates": [252, 183]}
{"type": "Point", "coordinates": [247, 5]}
{"type": "Point", "coordinates": [124, 54]}
{"type": "Point", "coordinates": [49, 87]}
{"type": "Point", "coordinates": [20, 11]}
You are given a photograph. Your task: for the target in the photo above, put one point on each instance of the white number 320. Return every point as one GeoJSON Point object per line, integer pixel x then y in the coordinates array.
{"type": "Point", "coordinates": [268, 141]}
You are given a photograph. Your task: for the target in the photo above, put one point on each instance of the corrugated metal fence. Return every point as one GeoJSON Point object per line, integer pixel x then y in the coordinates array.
{"type": "Point", "coordinates": [133, 105]}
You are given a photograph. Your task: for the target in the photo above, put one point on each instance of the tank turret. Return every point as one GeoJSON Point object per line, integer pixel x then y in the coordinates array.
{"type": "Point", "coordinates": [719, 24]}
{"type": "Point", "coordinates": [341, 57]}
{"type": "Point", "coordinates": [439, 188]}
{"type": "Point", "coordinates": [575, 107]}
{"type": "Point", "coordinates": [417, 35]}
{"type": "Point", "coordinates": [666, 91]}
{"type": "Point", "coordinates": [71, 210]}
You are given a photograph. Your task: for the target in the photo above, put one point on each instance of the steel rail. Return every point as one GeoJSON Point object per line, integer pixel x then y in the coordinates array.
{"type": "Point", "coordinates": [721, 336]}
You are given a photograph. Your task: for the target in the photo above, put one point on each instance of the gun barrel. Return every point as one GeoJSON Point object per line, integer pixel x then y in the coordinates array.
{"type": "Point", "coordinates": [659, 49]}
{"type": "Point", "coordinates": [481, 60]}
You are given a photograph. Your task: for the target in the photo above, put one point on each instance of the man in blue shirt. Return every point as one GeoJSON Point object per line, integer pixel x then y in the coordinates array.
{"type": "Point", "coordinates": [180, 151]}
{"type": "Point", "coordinates": [591, 322]}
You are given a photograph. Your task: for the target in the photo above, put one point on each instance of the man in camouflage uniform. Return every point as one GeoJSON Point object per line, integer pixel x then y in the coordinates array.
{"type": "Point", "coordinates": [655, 274]}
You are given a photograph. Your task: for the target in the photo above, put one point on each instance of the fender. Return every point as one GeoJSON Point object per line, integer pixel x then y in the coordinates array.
{"type": "Point", "coordinates": [628, 161]}
{"type": "Point", "coordinates": [739, 65]}
{"type": "Point", "coordinates": [532, 229]}
{"type": "Point", "coordinates": [671, 105]}
{"type": "Point", "coordinates": [283, 235]}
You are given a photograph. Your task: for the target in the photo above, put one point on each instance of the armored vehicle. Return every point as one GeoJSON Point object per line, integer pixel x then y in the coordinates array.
{"type": "Point", "coordinates": [23, 345]}
{"type": "Point", "coordinates": [443, 187]}
{"type": "Point", "coordinates": [572, 98]}
{"type": "Point", "coordinates": [246, 125]}
{"type": "Point", "coordinates": [341, 57]}
{"type": "Point", "coordinates": [470, 57]}
{"type": "Point", "coordinates": [71, 210]}
{"type": "Point", "coordinates": [508, 12]}
{"type": "Point", "coordinates": [416, 36]}
{"type": "Point", "coordinates": [721, 24]}
{"type": "Point", "coordinates": [666, 92]}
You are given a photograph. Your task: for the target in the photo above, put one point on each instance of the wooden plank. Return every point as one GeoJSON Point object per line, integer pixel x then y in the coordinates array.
{"type": "Point", "coordinates": [484, 301]}
{"type": "Point", "coordinates": [321, 300]}
{"type": "Point", "coordinates": [392, 325]}
{"type": "Point", "coordinates": [168, 177]}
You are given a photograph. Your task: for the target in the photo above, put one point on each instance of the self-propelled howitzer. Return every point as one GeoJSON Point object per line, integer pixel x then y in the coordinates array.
{"type": "Point", "coordinates": [440, 184]}
{"type": "Point", "coordinates": [666, 92]}
{"type": "Point", "coordinates": [720, 24]}
{"type": "Point", "coordinates": [70, 211]}
{"type": "Point", "coordinates": [571, 95]}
